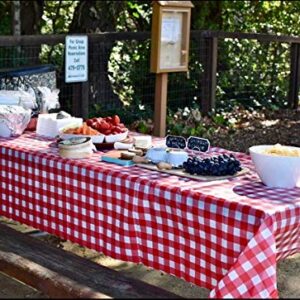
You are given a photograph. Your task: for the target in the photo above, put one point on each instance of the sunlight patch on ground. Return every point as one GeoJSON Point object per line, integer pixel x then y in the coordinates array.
{"type": "Point", "coordinates": [268, 123]}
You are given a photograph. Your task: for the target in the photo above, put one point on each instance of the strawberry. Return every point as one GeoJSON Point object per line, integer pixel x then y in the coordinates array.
{"type": "Point", "coordinates": [88, 121]}
{"type": "Point", "coordinates": [116, 119]}
{"type": "Point", "coordinates": [105, 125]}
{"type": "Point", "coordinates": [108, 119]}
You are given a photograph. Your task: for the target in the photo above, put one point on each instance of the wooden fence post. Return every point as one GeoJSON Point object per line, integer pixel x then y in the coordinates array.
{"type": "Point", "coordinates": [209, 58]}
{"type": "Point", "coordinates": [160, 104]}
{"type": "Point", "coordinates": [293, 97]}
{"type": "Point", "coordinates": [85, 99]}
{"type": "Point", "coordinates": [80, 99]}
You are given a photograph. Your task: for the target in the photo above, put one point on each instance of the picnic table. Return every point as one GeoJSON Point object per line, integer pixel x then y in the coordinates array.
{"type": "Point", "coordinates": [225, 235]}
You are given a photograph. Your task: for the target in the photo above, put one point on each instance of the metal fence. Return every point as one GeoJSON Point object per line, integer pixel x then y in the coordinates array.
{"type": "Point", "coordinates": [225, 69]}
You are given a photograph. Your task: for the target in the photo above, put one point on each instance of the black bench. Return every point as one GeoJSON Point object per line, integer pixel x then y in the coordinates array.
{"type": "Point", "coordinates": [60, 274]}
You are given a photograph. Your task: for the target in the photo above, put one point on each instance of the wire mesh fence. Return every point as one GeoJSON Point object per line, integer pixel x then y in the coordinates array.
{"type": "Point", "coordinates": [253, 73]}
{"type": "Point", "coordinates": [249, 72]}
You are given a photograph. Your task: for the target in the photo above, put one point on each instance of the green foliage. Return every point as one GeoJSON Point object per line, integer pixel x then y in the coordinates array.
{"type": "Point", "coordinates": [5, 17]}
{"type": "Point", "coordinates": [57, 16]}
{"type": "Point", "coordinates": [256, 74]}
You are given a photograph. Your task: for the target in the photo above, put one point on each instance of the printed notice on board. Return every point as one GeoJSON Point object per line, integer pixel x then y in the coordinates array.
{"type": "Point", "coordinates": [76, 58]}
{"type": "Point", "coordinates": [170, 30]}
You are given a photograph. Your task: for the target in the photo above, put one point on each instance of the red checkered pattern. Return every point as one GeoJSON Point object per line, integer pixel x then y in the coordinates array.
{"type": "Point", "coordinates": [224, 235]}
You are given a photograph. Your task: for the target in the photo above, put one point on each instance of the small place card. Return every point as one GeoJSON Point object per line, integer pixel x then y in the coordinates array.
{"type": "Point", "coordinates": [198, 144]}
{"type": "Point", "coordinates": [174, 141]}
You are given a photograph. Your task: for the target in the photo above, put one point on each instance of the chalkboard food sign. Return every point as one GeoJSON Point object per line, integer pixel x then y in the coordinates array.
{"type": "Point", "coordinates": [173, 141]}
{"type": "Point", "coordinates": [198, 144]}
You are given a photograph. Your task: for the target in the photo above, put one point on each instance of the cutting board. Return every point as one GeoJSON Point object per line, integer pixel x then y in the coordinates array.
{"type": "Point", "coordinates": [114, 157]}
{"type": "Point", "coordinates": [180, 172]}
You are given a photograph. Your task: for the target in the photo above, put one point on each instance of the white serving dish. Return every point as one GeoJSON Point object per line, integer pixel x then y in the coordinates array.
{"type": "Point", "coordinates": [276, 171]}
{"type": "Point", "coordinates": [112, 138]}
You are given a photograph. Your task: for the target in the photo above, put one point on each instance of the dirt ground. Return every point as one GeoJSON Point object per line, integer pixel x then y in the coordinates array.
{"type": "Point", "coordinates": [264, 128]}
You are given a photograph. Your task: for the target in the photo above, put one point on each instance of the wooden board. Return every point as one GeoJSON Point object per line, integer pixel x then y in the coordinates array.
{"type": "Point", "coordinates": [61, 274]}
{"type": "Point", "coordinates": [180, 172]}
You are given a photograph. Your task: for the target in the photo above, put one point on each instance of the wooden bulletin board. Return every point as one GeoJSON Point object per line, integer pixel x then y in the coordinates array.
{"type": "Point", "coordinates": [170, 37]}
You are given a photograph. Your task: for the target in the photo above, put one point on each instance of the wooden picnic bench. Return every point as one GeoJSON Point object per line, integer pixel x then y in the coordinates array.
{"type": "Point", "coordinates": [60, 274]}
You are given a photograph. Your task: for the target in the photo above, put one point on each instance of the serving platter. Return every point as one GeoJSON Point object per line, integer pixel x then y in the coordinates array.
{"type": "Point", "coordinates": [182, 173]}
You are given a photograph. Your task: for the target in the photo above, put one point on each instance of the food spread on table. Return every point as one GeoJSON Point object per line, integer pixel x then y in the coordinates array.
{"type": "Point", "coordinates": [178, 155]}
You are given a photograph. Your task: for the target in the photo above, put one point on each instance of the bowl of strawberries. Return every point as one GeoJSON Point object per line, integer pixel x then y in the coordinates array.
{"type": "Point", "coordinates": [101, 130]}
{"type": "Point", "coordinates": [111, 127]}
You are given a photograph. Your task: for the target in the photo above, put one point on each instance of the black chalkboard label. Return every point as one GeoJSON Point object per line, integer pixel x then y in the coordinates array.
{"type": "Point", "coordinates": [173, 141]}
{"type": "Point", "coordinates": [198, 144]}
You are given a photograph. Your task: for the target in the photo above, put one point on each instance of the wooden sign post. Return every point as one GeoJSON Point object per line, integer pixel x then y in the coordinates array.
{"type": "Point", "coordinates": [169, 51]}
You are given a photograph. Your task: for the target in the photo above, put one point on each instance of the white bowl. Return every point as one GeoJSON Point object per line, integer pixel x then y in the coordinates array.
{"type": "Point", "coordinates": [177, 157]}
{"type": "Point", "coordinates": [276, 171]}
{"type": "Point", "coordinates": [157, 154]}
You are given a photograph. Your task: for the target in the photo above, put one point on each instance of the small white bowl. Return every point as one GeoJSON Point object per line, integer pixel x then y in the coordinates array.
{"type": "Point", "coordinates": [157, 154]}
{"type": "Point", "coordinates": [177, 157]}
{"type": "Point", "coordinates": [276, 171]}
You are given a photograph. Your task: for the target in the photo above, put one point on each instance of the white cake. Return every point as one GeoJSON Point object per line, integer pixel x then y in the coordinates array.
{"type": "Point", "coordinates": [48, 125]}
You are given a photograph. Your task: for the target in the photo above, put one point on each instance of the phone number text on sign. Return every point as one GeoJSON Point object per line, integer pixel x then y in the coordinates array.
{"type": "Point", "coordinates": [76, 58]}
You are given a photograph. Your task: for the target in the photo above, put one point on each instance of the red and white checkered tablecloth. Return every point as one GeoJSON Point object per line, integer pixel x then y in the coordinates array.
{"type": "Point", "coordinates": [224, 235]}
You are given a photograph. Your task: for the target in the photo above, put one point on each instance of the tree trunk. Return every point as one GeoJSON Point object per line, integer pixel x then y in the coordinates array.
{"type": "Point", "coordinates": [31, 16]}
{"type": "Point", "coordinates": [98, 16]}
{"type": "Point", "coordinates": [16, 18]}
